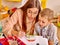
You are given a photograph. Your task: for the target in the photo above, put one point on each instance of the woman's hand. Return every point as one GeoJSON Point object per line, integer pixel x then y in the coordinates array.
{"type": "Point", "coordinates": [21, 34]}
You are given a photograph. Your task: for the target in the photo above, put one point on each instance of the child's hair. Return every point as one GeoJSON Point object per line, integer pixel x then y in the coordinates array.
{"type": "Point", "coordinates": [47, 13]}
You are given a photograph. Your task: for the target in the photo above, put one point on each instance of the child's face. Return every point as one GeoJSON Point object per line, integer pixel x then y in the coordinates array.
{"type": "Point", "coordinates": [32, 12]}
{"type": "Point", "coordinates": [43, 21]}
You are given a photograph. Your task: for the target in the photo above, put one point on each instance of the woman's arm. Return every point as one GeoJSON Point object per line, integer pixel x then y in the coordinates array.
{"type": "Point", "coordinates": [20, 18]}
{"type": "Point", "coordinates": [11, 22]}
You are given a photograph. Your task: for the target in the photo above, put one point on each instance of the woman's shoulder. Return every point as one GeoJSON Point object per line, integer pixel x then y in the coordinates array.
{"type": "Point", "coordinates": [19, 9]}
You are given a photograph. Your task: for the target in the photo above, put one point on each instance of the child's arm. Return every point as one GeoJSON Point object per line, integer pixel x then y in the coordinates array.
{"type": "Point", "coordinates": [50, 42]}
{"type": "Point", "coordinates": [53, 36]}
{"type": "Point", "coordinates": [36, 29]}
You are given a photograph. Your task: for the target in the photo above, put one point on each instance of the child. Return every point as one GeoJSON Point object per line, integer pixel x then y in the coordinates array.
{"type": "Point", "coordinates": [45, 27]}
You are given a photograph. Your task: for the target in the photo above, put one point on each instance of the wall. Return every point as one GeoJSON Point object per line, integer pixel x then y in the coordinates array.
{"type": "Point", "coordinates": [15, 4]}
{"type": "Point", "coordinates": [54, 4]}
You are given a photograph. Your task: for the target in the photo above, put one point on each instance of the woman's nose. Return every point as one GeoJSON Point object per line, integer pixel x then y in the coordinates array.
{"type": "Point", "coordinates": [40, 23]}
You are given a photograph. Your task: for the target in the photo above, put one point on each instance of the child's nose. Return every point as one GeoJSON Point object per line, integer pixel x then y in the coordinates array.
{"type": "Point", "coordinates": [40, 23]}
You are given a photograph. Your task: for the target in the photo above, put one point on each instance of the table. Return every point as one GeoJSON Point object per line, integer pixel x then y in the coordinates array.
{"type": "Point", "coordinates": [38, 39]}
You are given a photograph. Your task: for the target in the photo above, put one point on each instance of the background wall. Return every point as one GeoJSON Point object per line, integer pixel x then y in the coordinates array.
{"type": "Point", "coordinates": [13, 4]}
{"type": "Point", "coordinates": [54, 4]}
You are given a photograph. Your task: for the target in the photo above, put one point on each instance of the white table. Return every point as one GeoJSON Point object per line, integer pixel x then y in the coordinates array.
{"type": "Point", "coordinates": [38, 39]}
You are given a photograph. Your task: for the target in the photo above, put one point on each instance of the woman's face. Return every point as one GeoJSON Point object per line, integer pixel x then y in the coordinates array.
{"type": "Point", "coordinates": [32, 12]}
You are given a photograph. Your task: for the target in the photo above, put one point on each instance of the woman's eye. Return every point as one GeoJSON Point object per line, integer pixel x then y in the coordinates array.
{"type": "Point", "coordinates": [35, 12]}
{"type": "Point", "coordinates": [29, 11]}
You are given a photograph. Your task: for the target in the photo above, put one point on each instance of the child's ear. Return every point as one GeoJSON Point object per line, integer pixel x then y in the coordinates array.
{"type": "Point", "coordinates": [50, 21]}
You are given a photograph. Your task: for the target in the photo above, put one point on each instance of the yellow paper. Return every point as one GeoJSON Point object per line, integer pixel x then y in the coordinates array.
{"type": "Point", "coordinates": [43, 3]}
{"type": "Point", "coordinates": [6, 8]}
{"type": "Point", "coordinates": [3, 16]}
{"type": "Point", "coordinates": [0, 4]}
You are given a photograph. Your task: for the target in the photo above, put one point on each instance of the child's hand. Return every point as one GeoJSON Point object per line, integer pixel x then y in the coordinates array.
{"type": "Point", "coordinates": [50, 42]}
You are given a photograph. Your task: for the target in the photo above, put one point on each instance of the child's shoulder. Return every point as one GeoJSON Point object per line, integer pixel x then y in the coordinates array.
{"type": "Point", "coordinates": [37, 24]}
{"type": "Point", "coordinates": [53, 26]}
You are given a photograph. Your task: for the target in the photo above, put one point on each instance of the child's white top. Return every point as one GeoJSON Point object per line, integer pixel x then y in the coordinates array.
{"type": "Point", "coordinates": [49, 32]}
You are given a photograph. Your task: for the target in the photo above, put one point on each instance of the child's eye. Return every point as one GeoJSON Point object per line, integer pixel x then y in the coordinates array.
{"type": "Point", "coordinates": [43, 22]}
{"type": "Point", "coordinates": [35, 12]}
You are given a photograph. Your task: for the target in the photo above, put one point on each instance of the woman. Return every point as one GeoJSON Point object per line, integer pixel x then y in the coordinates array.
{"type": "Point", "coordinates": [32, 10]}
{"type": "Point", "coordinates": [16, 26]}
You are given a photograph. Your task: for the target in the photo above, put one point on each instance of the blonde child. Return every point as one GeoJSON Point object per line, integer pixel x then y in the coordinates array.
{"type": "Point", "coordinates": [45, 27]}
